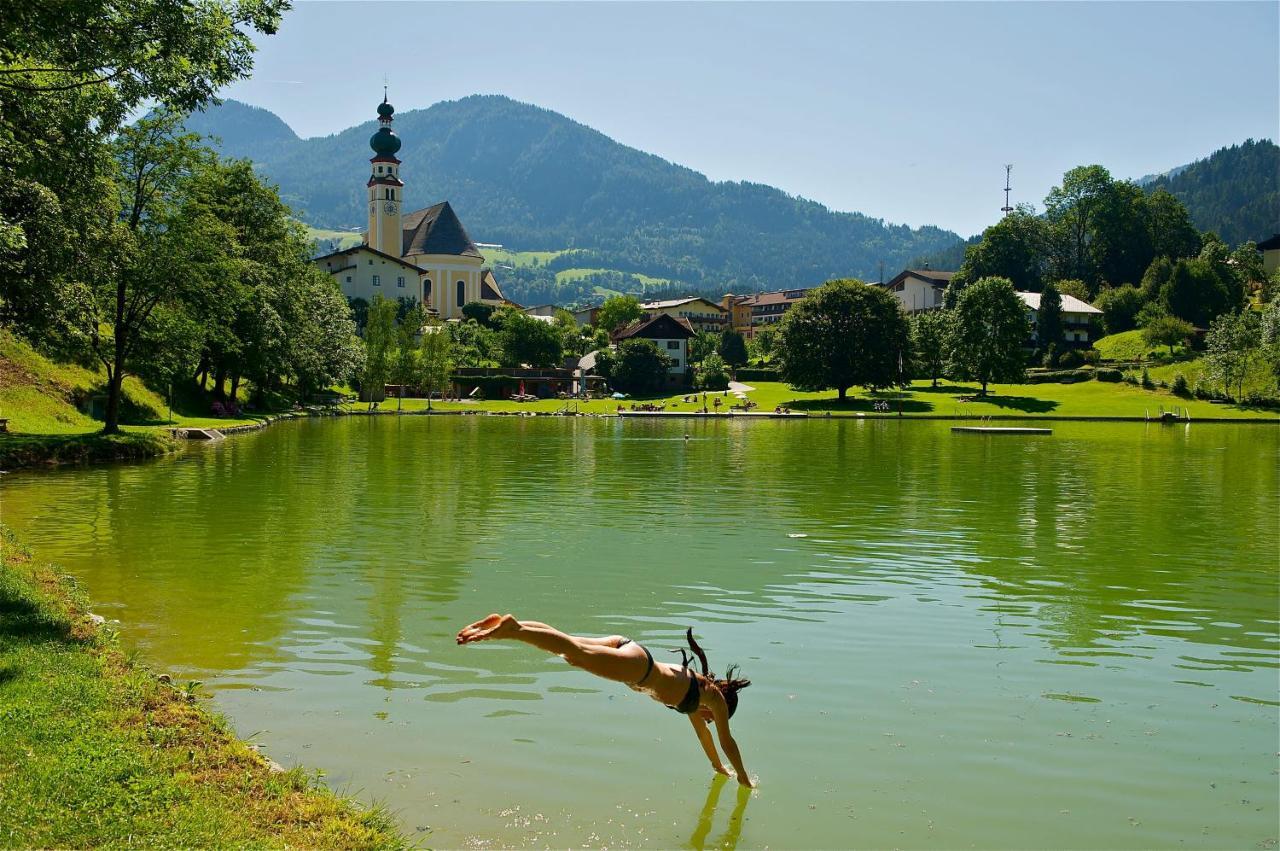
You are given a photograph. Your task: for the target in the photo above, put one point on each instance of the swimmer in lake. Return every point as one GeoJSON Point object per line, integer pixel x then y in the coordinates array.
{"type": "Point", "coordinates": [703, 697]}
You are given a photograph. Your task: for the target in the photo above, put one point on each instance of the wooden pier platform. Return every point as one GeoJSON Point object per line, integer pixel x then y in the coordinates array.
{"type": "Point", "coordinates": [1001, 430]}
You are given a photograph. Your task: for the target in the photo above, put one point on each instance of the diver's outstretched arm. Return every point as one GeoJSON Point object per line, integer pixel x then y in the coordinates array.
{"type": "Point", "coordinates": [708, 745]}
{"type": "Point", "coordinates": [720, 713]}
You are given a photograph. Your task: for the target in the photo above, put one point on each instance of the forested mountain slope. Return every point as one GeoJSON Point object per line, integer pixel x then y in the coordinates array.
{"type": "Point", "coordinates": [535, 180]}
{"type": "Point", "coordinates": [1234, 192]}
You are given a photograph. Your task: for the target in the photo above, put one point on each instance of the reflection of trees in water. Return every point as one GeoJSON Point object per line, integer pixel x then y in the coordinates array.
{"type": "Point", "coordinates": [1072, 529]}
{"type": "Point", "coordinates": [199, 553]}
{"type": "Point", "coordinates": [423, 502]}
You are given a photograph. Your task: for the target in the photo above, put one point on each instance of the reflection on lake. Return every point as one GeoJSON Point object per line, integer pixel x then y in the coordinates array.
{"type": "Point", "coordinates": [954, 640]}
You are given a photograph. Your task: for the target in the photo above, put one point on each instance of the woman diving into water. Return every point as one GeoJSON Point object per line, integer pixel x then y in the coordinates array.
{"type": "Point", "coordinates": [701, 696]}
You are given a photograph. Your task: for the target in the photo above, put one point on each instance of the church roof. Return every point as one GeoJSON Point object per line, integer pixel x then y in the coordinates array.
{"type": "Point", "coordinates": [437, 230]}
{"type": "Point", "coordinates": [356, 249]}
{"type": "Point", "coordinates": [489, 287]}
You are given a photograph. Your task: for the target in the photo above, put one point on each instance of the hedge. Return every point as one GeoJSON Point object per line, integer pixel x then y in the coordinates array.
{"type": "Point", "coordinates": [758, 374]}
{"type": "Point", "coordinates": [1061, 376]}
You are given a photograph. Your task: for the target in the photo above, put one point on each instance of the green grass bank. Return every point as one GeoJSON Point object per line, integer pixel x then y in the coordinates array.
{"type": "Point", "coordinates": [98, 751]}
{"type": "Point", "coordinates": [35, 450]}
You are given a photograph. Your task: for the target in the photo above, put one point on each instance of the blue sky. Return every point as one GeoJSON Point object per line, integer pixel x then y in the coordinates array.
{"type": "Point", "coordinates": [904, 111]}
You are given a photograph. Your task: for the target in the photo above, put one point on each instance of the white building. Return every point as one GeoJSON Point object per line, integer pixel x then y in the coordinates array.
{"type": "Point", "coordinates": [1076, 316]}
{"type": "Point", "coordinates": [671, 335]}
{"type": "Point", "coordinates": [920, 289]}
{"type": "Point", "coordinates": [701, 314]}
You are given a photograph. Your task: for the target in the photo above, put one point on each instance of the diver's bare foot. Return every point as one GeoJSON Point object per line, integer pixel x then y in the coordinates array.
{"type": "Point", "coordinates": [493, 626]}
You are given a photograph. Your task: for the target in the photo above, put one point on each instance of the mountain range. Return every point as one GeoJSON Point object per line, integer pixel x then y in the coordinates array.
{"type": "Point", "coordinates": [582, 215]}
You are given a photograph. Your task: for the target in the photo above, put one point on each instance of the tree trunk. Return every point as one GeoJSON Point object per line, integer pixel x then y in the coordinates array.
{"type": "Point", "coordinates": [115, 375]}
{"type": "Point", "coordinates": [400, 399]}
{"type": "Point", "coordinates": [219, 376]}
{"type": "Point", "coordinates": [235, 387]}
{"type": "Point", "coordinates": [935, 381]}
{"type": "Point", "coordinates": [984, 388]}
{"type": "Point", "coordinates": [842, 391]}
{"type": "Point", "coordinates": [111, 424]}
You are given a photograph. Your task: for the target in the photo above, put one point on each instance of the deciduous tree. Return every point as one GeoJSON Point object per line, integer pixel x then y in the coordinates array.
{"type": "Point", "coordinates": [1016, 247]}
{"type": "Point", "coordinates": [526, 340]}
{"type": "Point", "coordinates": [1120, 306]}
{"type": "Point", "coordinates": [636, 366]}
{"type": "Point", "coordinates": [930, 332]}
{"type": "Point", "coordinates": [404, 368]}
{"type": "Point", "coordinates": [1233, 342]}
{"type": "Point", "coordinates": [435, 360]}
{"type": "Point", "coordinates": [712, 373]}
{"type": "Point", "coordinates": [732, 348]}
{"type": "Point", "coordinates": [379, 343]}
{"type": "Point", "coordinates": [845, 333]}
{"type": "Point", "coordinates": [618, 311]}
{"type": "Point", "coordinates": [1167, 331]}
{"type": "Point", "coordinates": [988, 332]}
{"type": "Point", "coordinates": [166, 247]}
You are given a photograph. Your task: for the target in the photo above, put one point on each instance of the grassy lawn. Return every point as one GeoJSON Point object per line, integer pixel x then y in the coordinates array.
{"type": "Point", "coordinates": [97, 751]}
{"type": "Point", "coordinates": [497, 257]}
{"type": "Point", "coordinates": [1258, 378]}
{"type": "Point", "coordinates": [1086, 399]}
{"type": "Point", "coordinates": [578, 274]}
{"type": "Point", "coordinates": [345, 238]}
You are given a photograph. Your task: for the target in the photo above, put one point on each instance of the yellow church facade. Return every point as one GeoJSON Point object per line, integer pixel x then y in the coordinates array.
{"type": "Point", "coordinates": [425, 255]}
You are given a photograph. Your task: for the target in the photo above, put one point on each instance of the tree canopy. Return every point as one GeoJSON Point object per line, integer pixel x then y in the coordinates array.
{"type": "Point", "coordinates": [842, 334]}
{"type": "Point", "coordinates": [988, 332]}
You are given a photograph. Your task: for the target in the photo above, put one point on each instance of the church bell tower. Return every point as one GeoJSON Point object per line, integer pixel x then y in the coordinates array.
{"type": "Point", "coordinates": [386, 190]}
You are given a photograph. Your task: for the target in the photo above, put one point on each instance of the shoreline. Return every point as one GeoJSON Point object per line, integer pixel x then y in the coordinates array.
{"type": "Point", "coordinates": [34, 451]}
{"type": "Point", "coordinates": [157, 765]}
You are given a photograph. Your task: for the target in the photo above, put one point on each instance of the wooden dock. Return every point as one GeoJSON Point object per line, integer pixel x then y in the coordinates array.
{"type": "Point", "coordinates": [1001, 430]}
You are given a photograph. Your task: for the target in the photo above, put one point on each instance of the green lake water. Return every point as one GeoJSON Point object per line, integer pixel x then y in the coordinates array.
{"type": "Point", "coordinates": [955, 640]}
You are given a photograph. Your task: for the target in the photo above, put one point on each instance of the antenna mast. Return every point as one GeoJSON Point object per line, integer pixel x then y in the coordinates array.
{"type": "Point", "coordinates": [1008, 171]}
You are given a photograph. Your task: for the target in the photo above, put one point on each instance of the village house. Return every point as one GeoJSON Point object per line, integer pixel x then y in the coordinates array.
{"type": "Point", "coordinates": [1077, 316]}
{"type": "Point", "coordinates": [671, 335]}
{"type": "Point", "coordinates": [751, 312]}
{"type": "Point", "coordinates": [424, 256]}
{"type": "Point", "coordinates": [919, 289]}
{"type": "Point", "coordinates": [702, 314]}
{"type": "Point", "coordinates": [586, 316]}
{"type": "Point", "coordinates": [1270, 249]}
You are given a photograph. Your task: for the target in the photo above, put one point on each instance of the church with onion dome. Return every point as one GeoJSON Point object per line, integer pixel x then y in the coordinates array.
{"type": "Point", "coordinates": [425, 255]}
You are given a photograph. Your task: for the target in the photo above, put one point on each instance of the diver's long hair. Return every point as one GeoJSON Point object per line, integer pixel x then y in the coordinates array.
{"type": "Point", "coordinates": [729, 685]}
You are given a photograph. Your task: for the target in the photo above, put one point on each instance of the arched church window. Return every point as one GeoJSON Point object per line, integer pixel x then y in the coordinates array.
{"type": "Point", "coordinates": [426, 288]}
{"type": "Point", "coordinates": [462, 293]}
